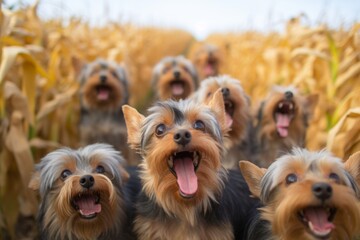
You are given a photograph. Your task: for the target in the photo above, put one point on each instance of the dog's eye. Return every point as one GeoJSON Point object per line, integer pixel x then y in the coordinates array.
{"type": "Point", "coordinates": [208, 94]}
{"type": "Point", "coordinates": [160, 130]}
{"type": "Point", "coordinates": [114, 74]}
{"type": "Point", "coordinates": [291, 178]}
{"type": "Point", "coordinates": [100, 169]}
{"type": "Point", "coordinates": [199, 125]}
{"type": "Point", "coordinates": [166, 69]}
{"type": "Point", "coordinates": [335, 177]}
{"type": "Point", "coordinates": [66, 173]}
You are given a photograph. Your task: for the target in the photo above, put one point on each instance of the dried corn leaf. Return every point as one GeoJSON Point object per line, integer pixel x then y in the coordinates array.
{"type": "Point", "coordinates": [9, 56]}
{"type": "Point", "coordinates": [344, 138]}
{"type": "Point", "coordinates": [56, 103]}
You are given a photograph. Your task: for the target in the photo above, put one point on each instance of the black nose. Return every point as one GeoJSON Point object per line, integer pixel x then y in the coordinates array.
{"type": "Point", "coordinates": [87, 181]}
{"type": "Point", "coordinates": [103, 78]}
{"type": "Point", "coordinates": [225, 92]}
{"type": "Point", "coordinates": [177, 74]}
{"type": "Point", "coordinates": [182, 137]}
{"type": "Point", "coordinates": [289, 95]}
{"type": "Point", "coordinates": [322, 191]}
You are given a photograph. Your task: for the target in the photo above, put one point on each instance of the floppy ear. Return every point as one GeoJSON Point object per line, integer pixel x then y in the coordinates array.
{"type": "Point", "coordinates": [34, 183]}
{"type": "Point", "coordinates": [352, 165]}
{"type": "Point", "coordinates": [133, 121]}
{"type": "Point", "coordinates": [218, 107]}
{"type": "Point", "coordinates": [253, 175]}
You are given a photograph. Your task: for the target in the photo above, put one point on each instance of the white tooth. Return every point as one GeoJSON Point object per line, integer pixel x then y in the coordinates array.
{"type": "Point", "coordinates": [175, 154]}
{"type": "Point", "coordinates": [170, 162]}
{"type": "Point", "coordinates": [281, 105]}
{"type": "Point", "coordinates": [291, 106]}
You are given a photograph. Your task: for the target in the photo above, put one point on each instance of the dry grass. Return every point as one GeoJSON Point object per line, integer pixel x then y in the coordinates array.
{"type": "Point", "coordinates": [38, 93]}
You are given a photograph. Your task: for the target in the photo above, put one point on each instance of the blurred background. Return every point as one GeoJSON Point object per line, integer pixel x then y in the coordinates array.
{"type": "Point", "coordinates": [312, 44]}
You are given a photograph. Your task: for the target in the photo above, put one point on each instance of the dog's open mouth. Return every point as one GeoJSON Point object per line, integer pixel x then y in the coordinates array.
{"type": "Point", "coordinates": [284, 112]}
{"type": "Point", "coordinates": [177, 87]}
{"type": "Point", "coordinates": [210, 67]}
{"type": "Point", "coordinates": [229, 109]}
{"type": "Point", "coordinates": [103, 92]}
{"type": "Point", "coordinates": [318, 220]}
{"type": "Point", "coordinates": [87, 204]}
{"type": "Point", "coordinates": [184, 165]}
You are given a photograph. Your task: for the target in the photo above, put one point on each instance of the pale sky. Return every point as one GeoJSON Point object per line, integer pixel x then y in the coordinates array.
{"type": "Point", "coordinates": [202, 17]}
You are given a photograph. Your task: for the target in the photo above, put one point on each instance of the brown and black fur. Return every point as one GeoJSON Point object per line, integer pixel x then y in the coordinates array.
{"type": "Point", "coordinates": [306, 195]}
{"type": "Point", "coordinates": [271, 141]}
{"type": "Point", "coordinates": [104, 89]}
{"type": "Point", "coordinates": [172, 134]}
{"type": "Point", "coordinates": [207, 59]}
{"type": "Point", "coordinates": [174, 78]}
{"type": "Point", "coordinates": [84, 194]}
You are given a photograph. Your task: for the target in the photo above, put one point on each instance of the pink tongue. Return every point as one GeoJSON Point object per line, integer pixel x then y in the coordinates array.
{"type": "Point", "coordinates": [282, 124]}
{"type": "Point", "coordinates": [103, 94]}
{"type": "Point", "coordinates": [319, 219]}
{"type": "Point", "coordinates": [209, 70]}
{"type": "Point", "coordinates": [177, 89]}
{"type": "Point", "coordinates": [87, 205]}
{"type": "Point", "coordinates": [228, 120]}
{"type": "Point", "coordinates": [186, 177]}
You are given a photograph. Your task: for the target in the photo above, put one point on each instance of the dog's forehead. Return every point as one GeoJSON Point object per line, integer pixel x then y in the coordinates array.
{"type": "Point", "coordinates": [276, 89]}
{"type": "Point", "coordinates": [177, 112]}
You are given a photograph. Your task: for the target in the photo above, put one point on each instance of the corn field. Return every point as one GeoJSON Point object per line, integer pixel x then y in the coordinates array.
{"type": "Point", "coordinates": [39, 105]}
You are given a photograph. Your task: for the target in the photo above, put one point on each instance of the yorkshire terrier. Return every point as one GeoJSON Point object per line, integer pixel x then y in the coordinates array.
{"type": "Point", "coordinates": [207, 60]}
{"type": "Point", "coordinates": [306, 195]}
{"type": "Point", "coordinates": [83, 194]}
{"type": "Point", "coordinates": [103, 91]}
{"type": "Point", "coordinates": [237, 108]}
{"type": "Point", "coordinates": [174, 78]}
{"type": "Point", "coordinates": [186, 194]}
{"type": "Point", "coordinates": [282, 120]}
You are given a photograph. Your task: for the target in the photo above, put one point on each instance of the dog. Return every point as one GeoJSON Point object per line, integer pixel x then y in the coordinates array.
{"type": "Point", "coordinates": [186, 192]}
{"type": "Point", "coordinates": [174, 78]}
{"type": "Point", "coordinates": [82, 194]}
{"type": "Point", "coordinates": [104, 89]}
{"type": "Point", "coordinates": [237, 108]}
{"type": "Point", "coordinates": [282, 120]}
{"type": "Point", "coordinates": [306, 195]}
{"type": "Point", "coordinates": [207, 60]}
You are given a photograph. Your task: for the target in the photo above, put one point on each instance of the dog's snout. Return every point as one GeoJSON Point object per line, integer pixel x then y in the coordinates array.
{"type": "Point", "coordinates": [225, 91]}
{"type": "Point", "coordinates": [289, 95]}
{"type": "Point", "coordinates": [182, 137]}
{"type": "Point", "coordinates": [103, 78]}
{"type": "Point", "coordinates": [322, 190]}
{"type": "Point", "coordinates": [177, 74]}
{"type": "Point", "coordinates": [87, 181]}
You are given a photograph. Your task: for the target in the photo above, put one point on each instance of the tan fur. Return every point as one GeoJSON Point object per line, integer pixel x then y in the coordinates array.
{"type": "Point", "coordinates": [252, 175]}
{"type": "Point", "coordinates": [238, 131]}
{"type": "Point", "coordinates": [160, 184]}
{"type": "Point", "coordinates": [61, 220]}
{"type": "Point", "coordinates": [352, 165]}
{"type": "Point", "coordinates": [271, 145]}
{"type": "Point", "coordinates": [201, 57]}
{"type": "Point", "coordinates": [287, 200]}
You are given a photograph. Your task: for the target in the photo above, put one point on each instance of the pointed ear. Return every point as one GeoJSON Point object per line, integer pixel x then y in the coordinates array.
{"type": "Point", "coordinates": [310, 103]}
{"type": "Point", "coordinates": [34, 183]}
{"type": "Point", "coordinates": [218, 107]}
{"type": "Point", "coordinates": [133, 121]}
{"type": "Point", "coordinates": [352, 165]}
{"type": "Point", "coordinates": [253, 175]}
